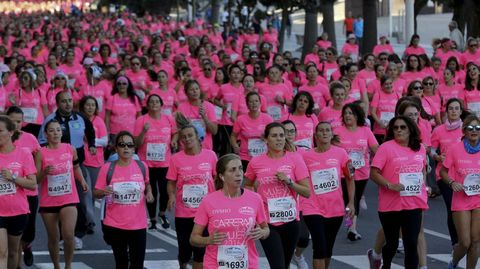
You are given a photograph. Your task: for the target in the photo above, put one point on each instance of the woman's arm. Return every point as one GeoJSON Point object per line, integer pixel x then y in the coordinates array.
{"type": "Point", "coordinates": [198, 240]}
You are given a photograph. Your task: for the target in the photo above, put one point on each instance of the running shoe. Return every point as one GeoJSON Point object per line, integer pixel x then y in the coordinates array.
{"type": "Point", "coordinates": [78, 243]}
{"type": "Point", "coordinates": [165, 222]}
{"type": "Point", "coordinates": [400, 247]}
{"type": "Point", "coordinates": [28, 255]}
{"type": "Point", "coordinates": [451, 265]}
{"type": "Point", "coordinates": [374, 263]}
{"type": "Point", "coordinates": [153, 225]}
{"type": "Point", "coordinates": [363, 203]}
{"type": "Point", "coordinates": [353, 236]}
{"type": "Point", "coordinates": [300, 261]}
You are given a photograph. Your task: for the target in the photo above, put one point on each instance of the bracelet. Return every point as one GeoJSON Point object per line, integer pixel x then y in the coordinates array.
{"type": "Point", "coordinates": [450, 183]}
{"type": "Point", "coordinates": [14, 178]}
{"type": "Point", "coordinates": [388, 186]}
{"type": "Point", "coordinates": [290, 182]}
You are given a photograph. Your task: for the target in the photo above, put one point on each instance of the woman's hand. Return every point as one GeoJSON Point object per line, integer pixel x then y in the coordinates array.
{"type": "Point", "coordinates": [149, 197]}
{"type": "Point", "coordinates": [216, 238]}
{"type": "Point", "coordinates": [84, 186]}
{"type": "Point", "coordinates": [171, 204]}
{"type": "Point", "coordinates": [48, 170]}
{"type": "Point", "coordinates": [396, 187]}
{"type": "Point", "coordinates": [283, 178]}
{"type": "Point", "coordinates": [456, 186]}
{"type": "Point", "coordinates": [258, 233]}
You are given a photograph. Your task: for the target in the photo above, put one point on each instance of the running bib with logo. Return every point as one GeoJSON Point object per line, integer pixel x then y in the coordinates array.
{"type": "Point", "coordinates": [232, 257]}
{"type": "Point", "coordinates": [7, 187]}
{"type": "Point", "coordinates": [29, 114]}
{"type": "Point", "coordinates": [357, 158]}
{"type": "Point", "coordinates": [100, 103]}
{"type": "Point", "coordinates": [412, 183]}
{"type": "Point", "coordinates": [304, 143]}
{"type": "Point", "coordinates": [218, 112]}
{"type": "Point", "coordinates": [471, 184]}
{"type": "Point", "coordinates": [229, 109]}
{"type": "Point", "coordinates": [475, 107]}
{"type": "Point", "coordinates": [275, 112]}
{"type": "Point", "coordinates": [256, 147]}
{"type": "Point", "coordinates": [127, 193]}
{"type": "Point", "coordinates": [167, 111]}
{"type": "Point", "coordinates": [156, 152]}
{"type": "Point", "coordinates": [385, 117]}
{"type": "Point", "coordinates": [193, 194]}
{"type": "Point", "coordinates": [282, 209]}
{"type": "Point", "coordinates": [330, 72]}
{"type": "Point", "coordinates": [59, 185]}
{"type": "Point", "coordinates": [355, 95]}
{"type": "Point", "coordinates": [325, 180]}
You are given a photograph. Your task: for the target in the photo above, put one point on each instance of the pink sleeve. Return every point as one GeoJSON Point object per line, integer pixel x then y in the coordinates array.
{"type": "Point", "coordinates": [173, 124]}
{"type": "Point", "coordinates": [235, 104]}
{"type": "Point", "coordinates": [147, 173]}
{"type": "Point", "coordinates": [250, 173]}
{"type": "Point", "coordinates": [375, 100]}
{"type": "Point", "coordinates": [43, 99]}
{"type": "Point", "coordinates": [29, 165]}
{"type": "Point", "coordinates": [211, 114]}
{"type": "Point", "coordinates": [138, 107]}
{"type": "Point", "coordinates": [263, 103]}
{"type": "Point", "coordinates": [214, 163]}
{"type": "Point", "coordinates": [201, 216]}
{"type": "Point", "coordinates": [138, 126]}
{"type": "Point", "coordinates": [236, 126]}
{"type": "Point", "coordinates": [102, 177]}
{"type": "Point", "coordinates": [380, 158]}
{"type": "Point", "coordinates": [371, 140]}
{"type": "Point", "coordinates": [109, 105]}
{"type": "Point", "coordinates": [261, 218]}
{"type": "Point", "coordinates": [102, 129]}
{"type": "Point", "coordinates": [301, 170]}
{"type": "Point", "coordinates": [448, 162]}
{"type": "Point", "coordinates": [172, 170]}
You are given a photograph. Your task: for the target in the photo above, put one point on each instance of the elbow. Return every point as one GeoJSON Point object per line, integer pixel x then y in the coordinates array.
{"type": "Point", "coordinates": [306, 193]}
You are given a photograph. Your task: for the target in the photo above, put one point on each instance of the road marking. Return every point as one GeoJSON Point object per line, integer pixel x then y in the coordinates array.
{"type": "Point", "coordinates": [76, 265]}
{"type": "Point", "coordinates": [448, 257]}
{"type": "Point", "coordinates": [437, 234]}
{"type": "Point", "coordinates": [98, 251]}
{"type": "Point", "coordinates": [164, 264]}
{"type": "Point", "coordinates": [160, 235]}
{"type": "Point", "coordinates": [359, 261]}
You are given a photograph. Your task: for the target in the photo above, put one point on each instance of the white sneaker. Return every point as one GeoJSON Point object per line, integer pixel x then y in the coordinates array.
{"type": "Point", "coordinates": [300, 262]}
{"type": "Point", "coordinates": [78, 243]}
{"type": "Point", "coordinates": [60, 244]}
{"type": "Point", "coordinates": [400, 247]}
{"type": "Point", "coordinates": [363, 203]}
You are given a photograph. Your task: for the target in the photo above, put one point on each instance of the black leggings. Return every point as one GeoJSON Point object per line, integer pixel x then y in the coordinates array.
{"type": "Point", "coordinates": [323, 231]}
{"type": "Point", "coordinates": [29, 233]}
{"type": "Point", "coordinates": [158, 181]}
{"type": "Point", "coordinates": [304, 234]}
{"type": "Point", "coordinates": [280, 244]}
{"type": "Point", "coordinates": [128, 246]}
{"type": "Point", "coordinates": [359, 190]}
{"type": "Point", "coordinates": [184, 227]}
{"type": "Point", "coordinates": [410, 221]}
{"type": "Point", "coordinates": [447, 194]}
{"type": "Point", "coordinates": [222, 140]}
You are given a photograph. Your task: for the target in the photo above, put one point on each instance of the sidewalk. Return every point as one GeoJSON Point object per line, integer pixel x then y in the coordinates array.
{"type": "Point", "coordinates": [429, 27]}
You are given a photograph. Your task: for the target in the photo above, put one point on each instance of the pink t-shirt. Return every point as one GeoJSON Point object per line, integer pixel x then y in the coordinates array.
{"type": "Point", "coordinates": [100, 131]}
{"type": "Point", "coordinates": [351, 50]}
{"type": "Point", "coordinates": [250, 132]}
{"type": "Point", "coordinates": [3, 99]}
{"type": "Point", "coordinates": [400, 164]}
{"type": "Point", "coordinates": [30, 142]}
{"type": "Point", "coordinates": [123, 113]}
{"type": "Point", "coordinates": [331, 115]}
{"type": "Point", "coordinates": [279, 200]}
{"type": "Point", "coordinates": [305, 129]}
{"type": "Point", "coordinates": [357, 90]}
{"type": "Point", "coordinates": [31, 104]}
{"type": "Point", "coordinates": [240, 105]}
{"type": "Point", "coordinates": [357, 144]}
{"type": "Point", "coordinates": [274, 109]}
{"type": "Point", "coordinates": [13, 197]}
{"type": "Point", "coordinates": [319, 93]}
{"type": "Point", "coordinates": [367, 75]}
{"type": "Point", "coordinates": [155, 150]}
{"type": "Point", "coordinates": [101, 92]}
{"type": "Point", "coordinates": [448, 92]}
{"type": "Point", "coordinates": [410, 76]}
{"type": "Point", "coordinates": [228, 94]}
{"type": "Point", "coordinates": [169, 97]}
{"type": "Point", "coordinates": [472, 101]}
{"type": "Point", "coordinates": [425, 128]}
{"type": "Point", "coordinates": [414, 51]}
{"type": "Point", "coordinates": [464, 169]}
{"type": "Point", "coordinates": [58, 188]}
{"type": "Point", "coordinates": [326, 172]}
{"type": "Point", "coordinates": [467, 57]}
{"type": "Point", "coordinates": [236, 217]}
{"type": "Point", "coordinates": [382, 48]}
{"type": "Point", "coordinates": [127, 210]}
{"type": "Point", "coordinates": [443, 140]}
{"type": "Point", "coordinates": [191, 112]}
{"type": "Point", "coordinates": [432, 104]}
{"type": "Point", "coordinates": [385, 104]}
{"type": "Point", "coordinates": [193, 175]}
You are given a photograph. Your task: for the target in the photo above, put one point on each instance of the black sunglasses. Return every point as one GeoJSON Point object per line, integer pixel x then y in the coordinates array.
{"type": "Point", "coordinates": [126, 145]}
{"type": "Point", "coordinates": [470, 128]}
{"type": "Point", "coordinates": [399, 127]}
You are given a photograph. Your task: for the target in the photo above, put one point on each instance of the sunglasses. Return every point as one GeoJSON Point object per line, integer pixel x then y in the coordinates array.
{"type": "Point", "coordinates": [126, 145]}
{"type": "Point", "coordinates": [383, 59]}
{"type": "Point", "coordinates": [207, 69]}
{"type": "Point", "coordinates": [418, 88]}
{"type": "Point", "coordinates": [399, 127]}
{"type": "Point", "coordinates": [60, 78]}
{"type": "Point", "coordinates": [121, 83]}
{"type": "Point", "coordinates": [286, 64]}
{"type": "Point", "coordinates": [428, 84]}
{"type": "Point", "coordinates": [470, 128]}
{"type": "Point", "coordinates": [473, 45]}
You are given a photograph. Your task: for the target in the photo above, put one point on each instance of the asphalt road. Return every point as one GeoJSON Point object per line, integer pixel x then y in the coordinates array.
{"type": "Point", "coordinates": [162, 252]}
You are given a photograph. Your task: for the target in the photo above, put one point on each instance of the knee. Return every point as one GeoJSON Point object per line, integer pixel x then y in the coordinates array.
{"type": "Point", "coordinates": [3, 252]}
{"type": "Point", "coordinates": [464, 243]}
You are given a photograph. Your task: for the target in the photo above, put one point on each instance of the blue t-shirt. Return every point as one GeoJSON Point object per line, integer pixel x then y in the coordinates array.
{"type": "Point", "coordinates": [358, 28]}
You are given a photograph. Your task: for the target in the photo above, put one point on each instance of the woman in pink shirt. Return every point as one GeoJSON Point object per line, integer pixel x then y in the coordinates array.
{"type": "Point", "coordinates": [58, 167]}
{"type": "Point", "coordinates": [460, 171]}
{"type": "Point", "coordinates": [17, 173]}
{"type": "Point", "coordinates": [304, 119]}
{"type": "Point", "coordinates": [26, 140]}
{"type": "Point", "coordinates": [167, 93]}
{"type": "Point", "coordinates": [413, 47]}
{"type": "Point", "coordinates": [278, 94]}
{"type": "Point", "coordinates": [351, 48]}
{"type": "Point", "coordinates": [139, 77]}
{"type": "Point", "coordinates": [449, 89]}
{"type": "Point", "coordinates": [358, 89]}
{"type": "Point", "coordinates": [472, 89]}
{"type": "Point", "coordinates": [323, 211]}
{"type": "Point", "coordinates": [384, 46]}
{"type": "Point", "coordinates": [332, 113]}
{"type": "Point", "coordinates": [383, 107]}
{"type": "Point", "coordinates": [59, 84]}
{"type": "Point", "coordinates": [443, 138]}
{"type": "Point", "coordinates": [279, 177]}
{"type": "Point", "coordinates": [431, 106]}
{"type": "Point", "coordinates": [413, 70]}
{"type": "Point", "coordinates": [123, 107]}
{"type": "Point", "coordinates": [317, 90]}
{"type": "Point", "coordinates": [234, 218]}
{"type": "Point", "coordinates": [248, 129]}
{"type": "Point", "coordinates": [359, 142]}
{"type": "Point", "coordinates": [190, 179]}
{"type": "Point", "coordinates": [453, 64]}
{"type": "Point", "coordinates": [398, 168]}
{"type": "Point", "coordinates": [125, 187]}
{"type": "Point", "coordinates": [374, 85]}
{"type": "Point", "coordinates": [155, 135]}
{"type": "Point", "coordinates": [96, 87]}
{"type": "Point", "coordinates": [240, 106]}
{"type": "Point", "coordinates": [367, 74]}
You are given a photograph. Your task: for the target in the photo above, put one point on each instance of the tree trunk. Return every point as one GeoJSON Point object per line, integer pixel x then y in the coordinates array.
{"type": "Point", "coordinates": [329, 21]}
{"type": "Point", "coordinates": [369, 25]}
{"type": "Point", "coordinates": [459, 14]}
{"type": "Point", "coordinates": [160, 7]}
{"type": "Point", "coordinates": [311, 32]}
{"type": "Point", "coordinates": [472, 17]}
{"type": "Point", "coordinates": [283, 27]}
{"type": "Point", "coordinates": [215, 11]}
{"type": "Point", "coordinates": [417, 7]}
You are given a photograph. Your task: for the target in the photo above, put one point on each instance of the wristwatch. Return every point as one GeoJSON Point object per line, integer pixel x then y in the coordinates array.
{"type": "Point", "coordinates": [290, 182]}
{"type": "Point", "coordinates": [14, 177]}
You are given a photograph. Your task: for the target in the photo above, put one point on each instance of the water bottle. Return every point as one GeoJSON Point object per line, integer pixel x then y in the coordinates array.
{"type": "Point", "coordinates": [348, 221]}
{"type": "Point", "coordinates": [109, 197]}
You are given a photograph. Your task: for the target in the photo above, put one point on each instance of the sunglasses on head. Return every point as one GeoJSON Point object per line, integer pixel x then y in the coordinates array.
{"type": "Point", "coordinates": [126, 145]}
{"type": "Point", "coordinates": [470, 128]}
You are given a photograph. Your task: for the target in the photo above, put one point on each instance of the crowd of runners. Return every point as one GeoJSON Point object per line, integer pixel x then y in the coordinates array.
{"type": "Point", "coordinates": [239, 141]}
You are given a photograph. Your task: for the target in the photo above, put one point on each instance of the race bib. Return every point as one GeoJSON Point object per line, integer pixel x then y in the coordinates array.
{"type": "Point", "coordinates": [193, 194]}
{"type": "Point", "coordinates": [471, 184]}
{"type": "Point", "coordinates": [304, 143]}
{"type": "Point", "coordinates": [59, 185]}
{"type": "Point", "coordinates": [330, 72]}
{"type": "Point", "coordinates": [127, 193]}
{"type": "Point", "coordinates": [385, 117]}
{"type": "Point", "coordinates": [100, 103]}
{"type": "Point", "coordinates": [232, 257]}
{"type": "Point", "coordinates": [29, 114]}
{"type": "Point", "coordinates": [474, 107]}
{"type": "Point", "coordinates": [355, 95]}
{"type": "Point", "coordinates": [256, 147]}
{"type": "Point", "coordinates": [156, 152]}
{"type": "Point", "coordinates": [275, 112]}
{"type": "Point", "coordinates": [229, 109]}
{"type": "Point", "coordinates": [357, 158]}
{"type": "Point", "coordinates": [7, 187]}
{"type": "Point", "coordinates": [325, 180]}
{"type": "Point", "coordinates": [412, 183]}
{"type": "Point", "coordinates": [167, 111]}
{"type": "Point", "coordinates": [282, 209]}
{"type": "Point", "coordinates": [218, 112]}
